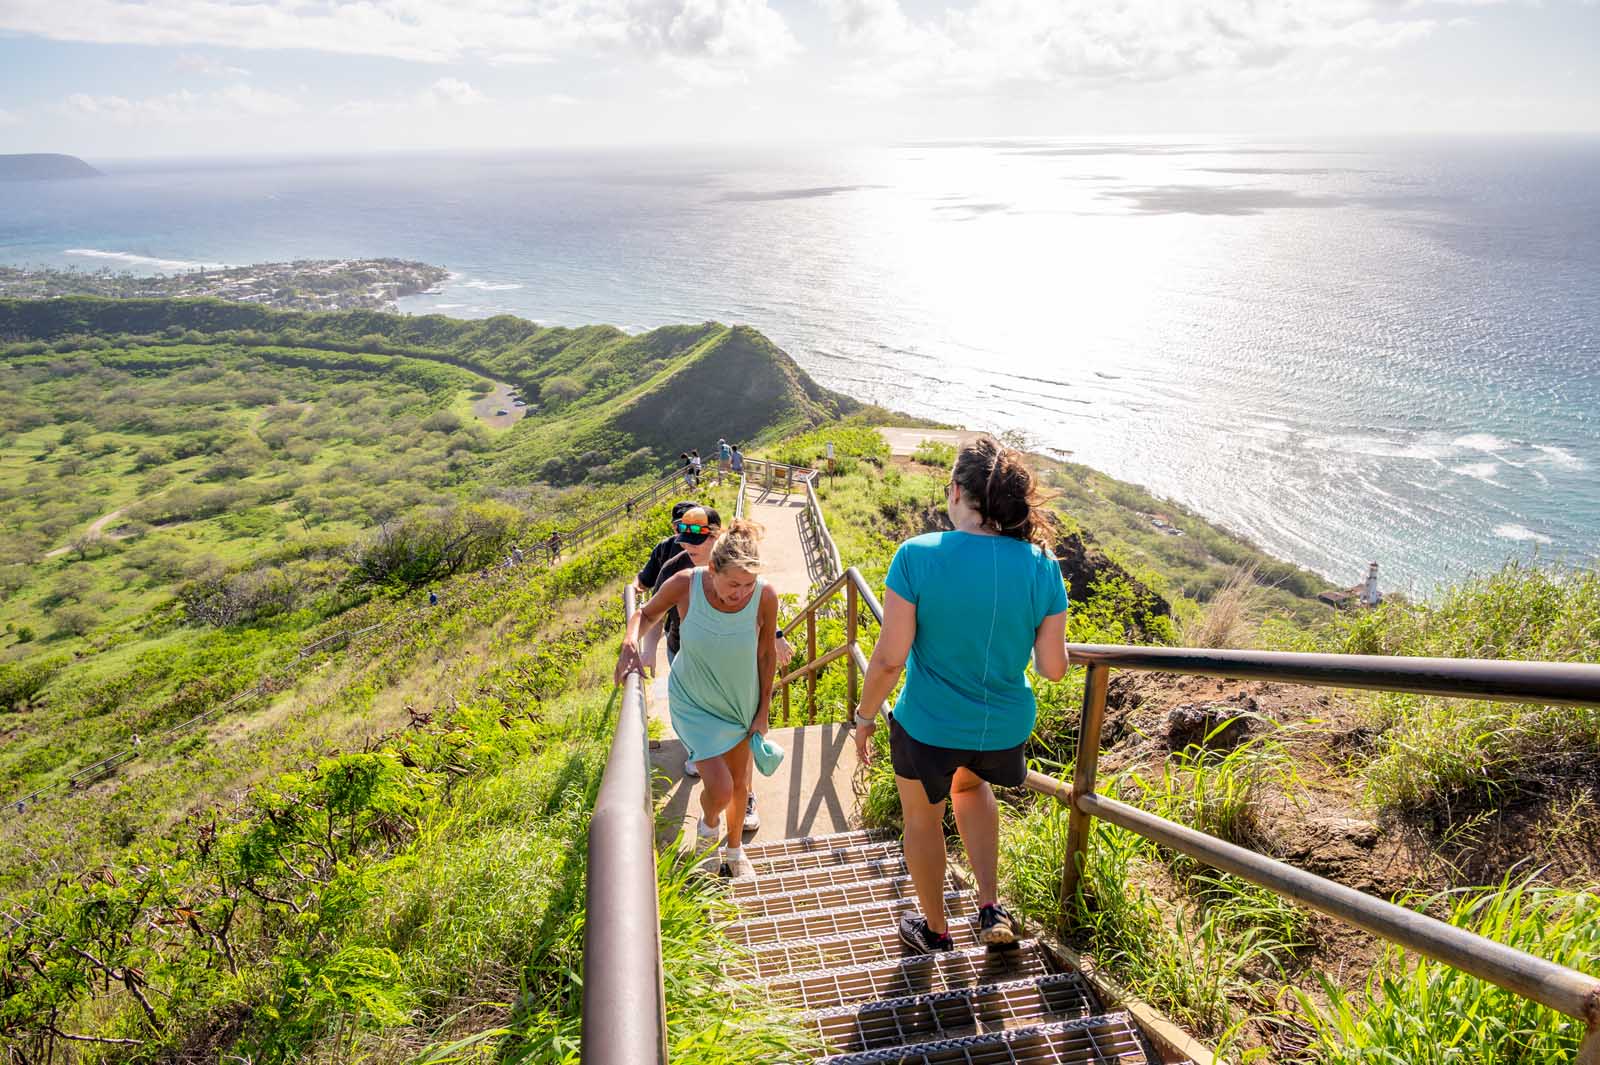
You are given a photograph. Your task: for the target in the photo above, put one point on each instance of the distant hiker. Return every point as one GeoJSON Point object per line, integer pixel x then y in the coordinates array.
{"type": "Point", "coordinates": [720, 690]}
{"type": "Point", "coordinates": [967, 709]}
{"type": "Point", "coordinates": [736, 460]}
{"type": "Point", "coordinates": [695, 465]}
{"type": "Point", "coordinates": [433, 597]}
{"type": "Point", "coordinates": [516, 554]}
{"type": "Point", "coordinates": [688, 470]}
{"type": "Point", "coordinates": [724, 456]}
{"type": "Point", "coordinates": [136, 741]}
{"type": "Point", "coordinates": [555, 546]}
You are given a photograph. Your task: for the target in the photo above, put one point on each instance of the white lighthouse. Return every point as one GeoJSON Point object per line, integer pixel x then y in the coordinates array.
{"type": "Point", "coordinates": [1369, 592]}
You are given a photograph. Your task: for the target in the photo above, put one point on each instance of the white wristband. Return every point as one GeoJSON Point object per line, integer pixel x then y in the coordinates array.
{"type": "Point", "coordinates": [866, 720]}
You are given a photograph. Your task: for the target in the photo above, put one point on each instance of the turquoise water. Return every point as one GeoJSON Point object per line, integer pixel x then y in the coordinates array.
{"type": "Point", "coordinates": [1344, 351]}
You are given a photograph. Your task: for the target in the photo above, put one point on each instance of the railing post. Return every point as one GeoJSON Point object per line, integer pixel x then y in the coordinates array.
{"type": "Point", "coordinates": [811, 678]}
{"type": "Point", "coordinates": [850, 612]}
{"type": "Point", "coordinates": [787, 718]}
{"type": "Point", "coordinates": [1078, 822]}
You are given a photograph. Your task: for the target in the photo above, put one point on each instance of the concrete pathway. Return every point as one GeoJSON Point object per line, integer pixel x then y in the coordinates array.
{"type": "Point", "coordinates": [811, 793]}
{"type": "Point", "coordinates": [903, 442]}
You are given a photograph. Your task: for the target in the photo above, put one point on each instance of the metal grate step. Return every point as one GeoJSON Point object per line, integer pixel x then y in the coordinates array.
{"type": "Point", "coordinates": [827, 898]}
{"type": "Point", "coordinates": [806, 955]}
{"type": "Point", "coordinates": [841, 921]}
{"type": "Point", "coordinates": [918, 974]}
{"type": "Point", "coordinates": [960, 1011]}
{"type": "Point", "coordinates": [831, 842]}
{"type": "Point", "coordinates": [852, 855]}
{"type": "Point", "coordinates": [1101, 1040]}
{"type": "Point", "coordinates": [806, 879]}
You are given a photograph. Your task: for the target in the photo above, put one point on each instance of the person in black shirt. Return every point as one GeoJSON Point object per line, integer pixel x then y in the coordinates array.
{"type": "Point", "coordinates": [697, 530]}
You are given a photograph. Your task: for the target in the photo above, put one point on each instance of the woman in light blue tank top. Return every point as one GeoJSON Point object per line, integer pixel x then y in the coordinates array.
{"type": "Point", "coordinates": [715, 692]}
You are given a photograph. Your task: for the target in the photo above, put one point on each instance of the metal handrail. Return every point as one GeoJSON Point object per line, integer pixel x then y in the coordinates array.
{"type": "Point", "coordinates": [624, 1000]}
{"type": "Point", "coordinates": [1563, 989]}
{"type": "Point", "coordinates": [830, 550]}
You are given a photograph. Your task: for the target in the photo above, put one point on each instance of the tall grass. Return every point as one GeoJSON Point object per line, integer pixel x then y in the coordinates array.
{"type": "Point", "coordinates": [1225, 620]}
{"type": "Point", "coordinates": [1468, 754]}
{"type": "Point", "coordinates": [1431, 1014]}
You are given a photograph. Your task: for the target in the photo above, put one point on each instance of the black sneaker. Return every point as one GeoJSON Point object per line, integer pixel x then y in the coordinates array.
{"type": "Point", "coordinates": [920, 939]}
{"type": "Point", "coordinates": [996, 927]}
{"type": "Point", "coordinates": [725, 871]}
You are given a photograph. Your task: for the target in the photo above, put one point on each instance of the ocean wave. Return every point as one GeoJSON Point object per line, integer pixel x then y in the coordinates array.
{"type": "Point", "coordinates": [491, 286]}
{"type": "Point", "coordinates": [1559, 457]}
{"type": "Point", "coordinates": [143, 260]}
{"type": "Point", "coordinates": [1486, 442]}
{"type": "Point", "coordinates": [1483, 471]}
{"type": "Point", "coordinates": [1510, 531]}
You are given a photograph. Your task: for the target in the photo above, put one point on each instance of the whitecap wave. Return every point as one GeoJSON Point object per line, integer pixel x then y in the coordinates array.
{"type": "Point", "coordinates": [1559, 457]}
{"type": "Point", "coordinates": [1483, 471]}
{"type": "Point", "coordinates": [1511, 531]}
{"type": "Point", "coordinates": [1487, 442]}
{"type": "Point", "coordinates": [491, 286]}
{"type": "Point", "coordinates": [170, 265]}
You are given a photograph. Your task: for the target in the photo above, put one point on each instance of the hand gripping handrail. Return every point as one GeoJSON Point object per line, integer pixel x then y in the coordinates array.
{"type": "Point", "coordinates": [624, 1006]}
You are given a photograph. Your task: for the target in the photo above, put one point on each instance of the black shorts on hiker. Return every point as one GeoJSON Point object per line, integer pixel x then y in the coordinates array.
{"type": "Point", "coordinates": [934, 766]}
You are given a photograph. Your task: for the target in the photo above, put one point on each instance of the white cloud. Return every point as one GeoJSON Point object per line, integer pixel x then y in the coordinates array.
{"type": "Point", "coordinates": [7, 118]}
{"type": "Point", "coordinates": [235, 101]}
{"type": "Point", "coordinates": [725, 33]}
{"type": "Point", "coordinates": [208, 66]}
{"type": "Point", "coordinates": [453, 92]}
{"type": "Point", "coordinates": [443, 94]}
{"type": "Point", "coordinates": [995, 43]}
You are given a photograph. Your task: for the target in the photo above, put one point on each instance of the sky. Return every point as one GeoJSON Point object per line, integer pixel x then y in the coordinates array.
{"type": "Point", "coordinates": [134, 78]}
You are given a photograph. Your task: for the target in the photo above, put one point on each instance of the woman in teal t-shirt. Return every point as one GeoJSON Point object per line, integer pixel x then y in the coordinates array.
{"type": "Point", "coordinates": [962, 613]}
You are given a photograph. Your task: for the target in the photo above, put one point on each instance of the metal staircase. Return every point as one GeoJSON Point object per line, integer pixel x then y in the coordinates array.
{"type": "Point", "coordinates": [819, 929]}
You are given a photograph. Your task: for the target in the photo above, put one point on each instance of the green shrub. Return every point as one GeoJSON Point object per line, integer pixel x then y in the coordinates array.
{"type": "Point", "coordinates": [21, 682]}
{"type": "Point", "coordinates": [935, 453]}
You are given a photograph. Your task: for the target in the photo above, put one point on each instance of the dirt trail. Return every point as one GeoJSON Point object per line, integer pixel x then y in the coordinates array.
{"type": "Point", "coordinates": [95, 528]}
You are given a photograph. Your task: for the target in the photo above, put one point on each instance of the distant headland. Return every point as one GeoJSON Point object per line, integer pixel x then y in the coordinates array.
{"type": "Point", "coordinates": [44, 167]}
{"type": "Point", "coordinates": [305, 285]}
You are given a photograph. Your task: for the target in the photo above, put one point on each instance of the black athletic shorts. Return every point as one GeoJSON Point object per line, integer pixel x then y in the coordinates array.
{"type": "Point", "coordinates": [934, 766]}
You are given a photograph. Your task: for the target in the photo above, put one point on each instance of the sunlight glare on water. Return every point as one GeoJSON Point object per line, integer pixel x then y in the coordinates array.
{"type": "Point", "coordinates": [1342, 351]}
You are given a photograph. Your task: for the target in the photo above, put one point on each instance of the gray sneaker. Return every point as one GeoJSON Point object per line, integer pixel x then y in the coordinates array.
{"type": "Point", "coordinates": [689, 768]}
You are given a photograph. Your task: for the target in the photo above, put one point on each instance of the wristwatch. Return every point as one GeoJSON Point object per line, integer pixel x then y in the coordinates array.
{"type": "Point", "coordinates": [859, 720]}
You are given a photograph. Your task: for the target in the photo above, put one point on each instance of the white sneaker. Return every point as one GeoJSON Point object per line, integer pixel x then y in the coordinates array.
{"type": "Point", "coordinates": [689, 768]}
{"type": "Point", "coordinates": [752, 820]}
{"type": "Point", "coordinates": [707, 831]}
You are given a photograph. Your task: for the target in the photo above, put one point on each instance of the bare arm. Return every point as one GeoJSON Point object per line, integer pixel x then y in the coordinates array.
{"type": "Point", "coordinates": [674, 593]}
{"type": "Point", "coordinates": [889, 654]}
{"type": "Point", "coordinates": [1050, 647]}
{"type": "Point", "coordinates": [766, 656]}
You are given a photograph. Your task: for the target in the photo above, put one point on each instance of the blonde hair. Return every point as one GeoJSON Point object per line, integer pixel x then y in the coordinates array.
{"type": "Point", "coordinates": [739, 547]}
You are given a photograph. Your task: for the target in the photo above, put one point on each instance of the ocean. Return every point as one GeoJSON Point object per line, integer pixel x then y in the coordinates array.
{"type": "Point", "coordinates": [1344, 351]}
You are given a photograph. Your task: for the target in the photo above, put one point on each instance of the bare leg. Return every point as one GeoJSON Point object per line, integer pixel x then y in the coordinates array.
{"type": "Point", "coordinates": [716, 785]}
{"type": "Point", "coordinates": [978, 821]}
{"type": "Point", "coordinates": [737, 762]}
{"type": "Point", "coordinates": [924, 848]}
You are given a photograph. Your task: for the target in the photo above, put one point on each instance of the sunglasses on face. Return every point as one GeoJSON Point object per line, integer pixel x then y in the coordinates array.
{"type": "Point", "coordinates": [694, 530]}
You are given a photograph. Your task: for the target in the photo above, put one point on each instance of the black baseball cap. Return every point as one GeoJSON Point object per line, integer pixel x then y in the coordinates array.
{"type": "Point", "coordinates": [680, 507]}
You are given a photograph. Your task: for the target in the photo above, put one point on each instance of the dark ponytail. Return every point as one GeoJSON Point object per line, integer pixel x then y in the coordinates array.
{"type": "Point", "coordinates": [996, 479]}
